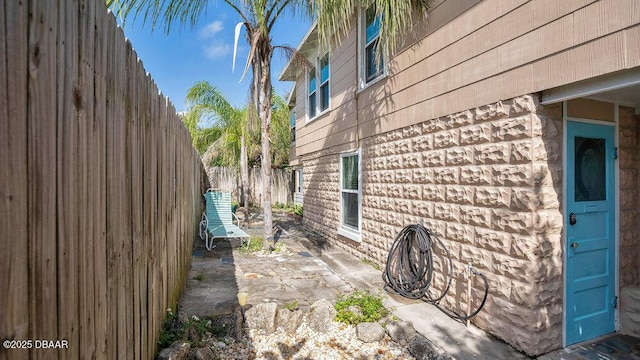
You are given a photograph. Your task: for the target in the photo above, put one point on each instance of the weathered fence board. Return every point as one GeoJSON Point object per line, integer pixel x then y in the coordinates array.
{"type": "Point", "coordinates": [42, 105]}
{"type": "Point", "coordinates": [14, 231]}
{"type": "Point", "coordinates": [100, 188]}
{"type": "Point", "coordinates": [66, 184]}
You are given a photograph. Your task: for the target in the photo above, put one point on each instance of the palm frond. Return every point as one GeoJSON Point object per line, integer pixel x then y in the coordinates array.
{"type": "Point", "coordinates": [168, 11]}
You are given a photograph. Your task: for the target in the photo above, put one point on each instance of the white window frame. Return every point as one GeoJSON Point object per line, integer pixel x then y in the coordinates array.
{"type": "Point", "coordinates": [327, 82]}
{"type": "Point", "coordinates": [299, 180]}
{"type": "Point", "coordinates": [308, 96]}
{"type": "Point", "coordinates": [346, 230]}
{"type": "Point", "coordinates": [362, 54]}
{"type": "Point", "coordinates": [317, 71]}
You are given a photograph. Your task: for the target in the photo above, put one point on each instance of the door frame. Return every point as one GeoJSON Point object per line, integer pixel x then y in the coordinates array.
{"type": "Point", "coordinates": [616, 250]}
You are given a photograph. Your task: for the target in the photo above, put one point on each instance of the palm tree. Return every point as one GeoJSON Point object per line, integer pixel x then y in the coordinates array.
{"type": "Point", "coordinates": [258, 18]}
{"type": "Point", "coordinates": [206, 100]}
{"type": "Point", "coordinates": [201, 138]}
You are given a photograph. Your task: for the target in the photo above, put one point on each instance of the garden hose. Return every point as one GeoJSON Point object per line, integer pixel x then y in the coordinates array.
{"type": "Point", "coordinates": [410, 268]}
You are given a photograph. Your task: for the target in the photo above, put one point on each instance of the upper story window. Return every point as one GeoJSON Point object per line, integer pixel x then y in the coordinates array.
{"type": "Point", "coordinates": [311, 103]}
{"type": "Point", "coordinates": [324, 83]}
{"type": "Point", "coordinates": [319, 99]}
{"type": "Point", "coordinates": [292, 119]}
{"type": "Point", "coordinates": [373, 67]}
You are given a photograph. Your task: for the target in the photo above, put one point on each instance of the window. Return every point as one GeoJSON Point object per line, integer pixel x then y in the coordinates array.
{"type": "Point", "coordinates": [373, 67]}
{"type": "Point", "coordinates": [324, 83]}
{"type": "Point", "coordinates": [311, 104]}
{"type": "Point", "coordinates": [350, 196]}
{"type": "Point", "coordinates": [318, 85]}
{"type": "Point", "coordinates": [299, 181]}
{"type": "Point", "coordinates": [292, 119]}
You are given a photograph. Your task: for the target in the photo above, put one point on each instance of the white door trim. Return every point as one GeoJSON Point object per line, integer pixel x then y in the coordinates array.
{"type": "Point", "coordinates": [615, 124]}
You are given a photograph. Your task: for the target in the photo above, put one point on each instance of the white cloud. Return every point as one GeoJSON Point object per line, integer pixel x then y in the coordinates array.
{"type": "Point", "coordinates": [211, 29]}
{"type": "Point", "coordinates": [216, 50]}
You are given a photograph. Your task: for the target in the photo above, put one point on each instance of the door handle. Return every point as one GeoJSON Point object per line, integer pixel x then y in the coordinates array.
{"type": "Point", "coordinates": [575, 245]}
{"type": "Point", "coordinates": [572, 219]}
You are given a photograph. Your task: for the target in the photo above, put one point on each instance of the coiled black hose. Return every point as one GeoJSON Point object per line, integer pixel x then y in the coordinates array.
{"type": "Point", "coordinates": [409, 271]}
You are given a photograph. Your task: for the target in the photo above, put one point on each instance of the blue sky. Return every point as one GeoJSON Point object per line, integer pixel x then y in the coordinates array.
{"type": "Point", "coordinates": [187, 55]}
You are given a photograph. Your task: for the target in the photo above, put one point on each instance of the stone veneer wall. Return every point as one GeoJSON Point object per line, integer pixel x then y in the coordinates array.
{"type": "Point", "coordinates": [629, 163]}
{"type": "Point", "coordinates": [488, 181]}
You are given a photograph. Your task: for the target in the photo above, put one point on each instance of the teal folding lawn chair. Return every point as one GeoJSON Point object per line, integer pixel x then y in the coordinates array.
{"type": "Point", "coordinates": [217, 219]}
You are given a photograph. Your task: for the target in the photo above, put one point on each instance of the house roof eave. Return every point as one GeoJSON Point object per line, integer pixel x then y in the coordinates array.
{"type": "Point", "coordinates": [309, 41]}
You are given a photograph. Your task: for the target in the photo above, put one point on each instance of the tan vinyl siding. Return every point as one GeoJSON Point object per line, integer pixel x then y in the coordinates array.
{"type": "Point", "coordinates": [496, 49]}
{"type": "Point", "coordinates": [338, 126]}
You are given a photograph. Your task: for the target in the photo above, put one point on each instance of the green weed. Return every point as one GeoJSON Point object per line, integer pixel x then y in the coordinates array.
{"type": "Point", "coordinates": [371, 263]}
{"type": "Point", "coordinates": [369, 308]}
{"type": "Point", "coordinates": [292, 306]}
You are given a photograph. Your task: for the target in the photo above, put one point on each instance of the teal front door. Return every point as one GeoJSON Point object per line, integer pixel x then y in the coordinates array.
{"type": "Point", "coordinates": [590, 231]}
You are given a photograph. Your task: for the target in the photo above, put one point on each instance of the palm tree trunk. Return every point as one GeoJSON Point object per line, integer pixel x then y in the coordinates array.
{"type": "Point", "coordinates": [244, 175]}
{"type": "Point", "coordinates": [264, 111]}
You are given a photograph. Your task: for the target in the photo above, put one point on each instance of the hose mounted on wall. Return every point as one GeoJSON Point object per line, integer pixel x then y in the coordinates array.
{"type": "Point", "coordinates": [410, 268]}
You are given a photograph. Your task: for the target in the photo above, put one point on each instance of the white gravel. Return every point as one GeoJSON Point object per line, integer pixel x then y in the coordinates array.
{"type": "Point", "coordinates": [339, 343]}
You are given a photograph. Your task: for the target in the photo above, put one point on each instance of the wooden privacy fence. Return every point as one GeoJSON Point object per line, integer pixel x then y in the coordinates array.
{"type": "Point", "coordinates": [99, 187]}
{"type": "Point", "coordinates": [281, 185]}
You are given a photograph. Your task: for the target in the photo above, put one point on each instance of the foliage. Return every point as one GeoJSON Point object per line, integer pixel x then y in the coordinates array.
{"type": "Point", "coordinates": [171, 330]}
{"type": "Point", "coordinates": [370, 308]}
{"type": "Point", "coordinates": [201, 138]}
{"type": "Point", "coordinates": [292, 306]}
{"type": "Point", "coordinates": [289, 208]}
{"type": "Point", "coordinates": [297, 209]}
{"type": "Point", "coordinates": [207, 104]}
{"type": "Point", "coordinates": [195, 331]}
{"type": "Point", "coordinates": [280, 131]}
{"type": "Point", "coordinates": [256, 245]}
{"type": "Point", "coordinates": [371, 263]}
{"type": "Point", "coordinates": [398, 18]}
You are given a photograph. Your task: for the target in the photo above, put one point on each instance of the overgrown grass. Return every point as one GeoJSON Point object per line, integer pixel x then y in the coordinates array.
{"type": "Point", "coordinates": [359, 306]}
{"type": "Point", "coordinates": [290, 208]}
{"type": "Point", "coordinates": [195, 331]}
{"type": "Point", "coordinates": [256, 244]}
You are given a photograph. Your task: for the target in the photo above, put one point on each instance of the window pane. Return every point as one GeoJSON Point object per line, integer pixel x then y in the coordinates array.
{"type": "Point", "coordinates": [312, 81]}
{"type": "Point", "coordinates": [372, 67]}
{"type": "Point", "coordinates": [324, 68]}
{"type": "Point", "coordinates": [350, 172]}
{"type": "Point", "coordinates": [590, 169]}
{"type": "Point", "coordinates": [373, 23]}
{"type": "Point", "coordinates": [312, 105]}
{"type": "Point", "coordinates": [350, 209]}
{"type": "Point", "coordinates": [324, 96]}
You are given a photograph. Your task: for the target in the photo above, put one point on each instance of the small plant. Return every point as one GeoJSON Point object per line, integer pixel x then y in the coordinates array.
{"type": "Point", "coordinates": [371, 263]}
{"type": "Point", "coordinates": [297, 209]}
{"type": "Point", "coordinates": [359, 306]}
{"type": "Point", "coordinates": [171, 330]}
{"type": "Point", "coordinates": [292, 306]}
{"type": "Point", "coordinates": [199, 277]}
{"type": "Point", "coordinates": [256, 243]}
